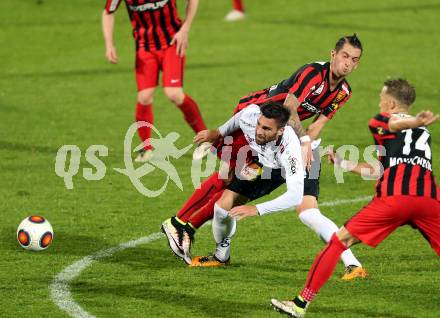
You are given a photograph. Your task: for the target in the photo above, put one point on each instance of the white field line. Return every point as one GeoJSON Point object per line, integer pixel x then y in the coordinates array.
{"type": "Point", "coordinates": [60, 287]}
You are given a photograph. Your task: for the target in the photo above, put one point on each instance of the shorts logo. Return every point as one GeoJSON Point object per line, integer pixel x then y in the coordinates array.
{"type": "Point", "coordinates": [174, 81]}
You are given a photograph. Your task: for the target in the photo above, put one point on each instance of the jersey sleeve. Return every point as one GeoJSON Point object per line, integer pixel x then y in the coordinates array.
{"type": "Point", "coordinates": [233, 123]}
{"type": "Point", "coordinates": [291, 161]}
{"type": "Point", "coordinates": [112, 5]}
{"type": "Point", "coordinates": [380, 129]}
{"type": "Point", "coordinates": [331, 109]}
{"type": "Point", "coordinates": [307, 79]}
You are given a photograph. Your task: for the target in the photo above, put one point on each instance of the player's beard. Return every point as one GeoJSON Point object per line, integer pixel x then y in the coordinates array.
{"type": "Point", "coordinates": [264, 140]}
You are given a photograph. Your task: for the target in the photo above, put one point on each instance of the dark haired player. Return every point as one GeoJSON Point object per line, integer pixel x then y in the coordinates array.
{"type": "Point", "coordinates": [316, 90]}
{"type": "Point", "coordinates": [161, 40]}
{"type": "Point", "coordinates": [406, 192]}
{"type": "Point", "coordinates": [277, 151]}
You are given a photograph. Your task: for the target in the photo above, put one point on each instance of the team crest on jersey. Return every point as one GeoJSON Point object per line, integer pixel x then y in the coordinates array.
{"type": "Point", "coordinates": [341, 95]}
{"type": "Point", "coordinates": [380, 130]}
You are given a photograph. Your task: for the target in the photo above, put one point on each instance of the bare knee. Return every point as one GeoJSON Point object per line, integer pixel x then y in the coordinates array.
{"type": "Point", "coordinates": [174, 94]}
{"type": "Point", "coordinates": [346, 237]}
{"type": "Point", "coordinates": [226, 201]}
{"type": "Point", "coordinates": [309, 202]}
{"type": "Point", "coordinates": [145, 96]}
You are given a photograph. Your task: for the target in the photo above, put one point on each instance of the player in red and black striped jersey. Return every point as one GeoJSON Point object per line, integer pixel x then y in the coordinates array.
{"type": "Point", "coordinates": [314, 90]}
{"type": "Point", "coordinates": [161, 40]}
{"type": "Point", "coordinates": [311, 85]}
{"type": "Point", "coordinates": [406, 193]}
{"type": "Point", "coordinates": [408, 161]}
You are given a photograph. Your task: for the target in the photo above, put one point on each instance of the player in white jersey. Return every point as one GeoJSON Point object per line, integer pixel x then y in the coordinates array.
{"type": "Point", "coordinates": [277, 152]}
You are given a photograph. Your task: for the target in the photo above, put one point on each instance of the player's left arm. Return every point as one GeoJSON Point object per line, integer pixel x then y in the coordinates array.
{"type": "Point", "coordinates": [181, 37]}
{"type": "Point", "coordinates": [424, 118]}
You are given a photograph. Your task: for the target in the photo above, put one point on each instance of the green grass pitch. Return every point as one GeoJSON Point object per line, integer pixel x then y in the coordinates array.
{"type": "Point", "coordinates": [56, 88]}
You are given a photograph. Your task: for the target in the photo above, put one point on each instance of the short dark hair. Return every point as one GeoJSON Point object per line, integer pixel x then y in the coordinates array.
{"type": "Point", "coordinates": [276, 110]}
{"type": "Point", "coordinates": [401, 90]}
{"type": "Point", "coordinates": [353, 40]}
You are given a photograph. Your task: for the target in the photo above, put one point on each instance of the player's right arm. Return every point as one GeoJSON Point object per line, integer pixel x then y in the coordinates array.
{"type": "Point", "coordinates": [365, 169]}
{"type": "Point", "coordinates": [305, 79]}
{"type": "Point", "coordinates": [292, 103]}
{"type": "Point", "coordinates": [108, 22]}
{"type": "Point", "coordinates": [424, 118]}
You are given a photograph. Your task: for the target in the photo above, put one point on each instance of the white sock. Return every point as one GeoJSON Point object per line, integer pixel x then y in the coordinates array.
{"type": "Point", "coordinates": [223, 228]}
{"type": "Point", "coordinates": [325, 228]}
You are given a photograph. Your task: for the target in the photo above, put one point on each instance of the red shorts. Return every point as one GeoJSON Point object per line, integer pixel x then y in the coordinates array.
{"type": "Point", "coordinates": [149, 64]}
{"type": "Point", "coordinates": [373, 223]}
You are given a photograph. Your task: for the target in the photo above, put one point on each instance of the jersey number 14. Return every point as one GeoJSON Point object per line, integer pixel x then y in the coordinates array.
{"type": "Point", "coordinates": [420, 144]}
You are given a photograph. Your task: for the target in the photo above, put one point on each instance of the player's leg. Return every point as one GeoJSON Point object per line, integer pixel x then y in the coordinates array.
{"type": "Point", "coordinates": [426, 217]}
{"type": "Point", "coordinates": [237, 12]}
{"type": "Point", "coordinates": [179, 231]}
{"type": "Point", "coordinates": [311, 216]}
{"type": "Point", "coordinates": [147, 72]}
{"type": "Point", "coordinates": [320, 272]}
{"type": "Point", "coordinates": [223, 229]}
{"type": "Point", "coordinates": [238, 192]}
{"type": "Point", "coordinates": [172, 81]}
{"type": "Point", "coordinates": [201, 196]}
{"type": "Point", "coordinates": [200, 206]}
{"type": "Point", "coordinates": [371, 225]}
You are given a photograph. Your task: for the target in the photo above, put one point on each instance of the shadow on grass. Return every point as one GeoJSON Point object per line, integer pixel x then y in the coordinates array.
{"type": "Point", "coordinates": [28, 148]}
{"type": "Point", "coordinates": [124, 70]}
{"type": "Point", "coordinates": [66, 243]}
{"type": "Point", "coordinates": [203, 302]}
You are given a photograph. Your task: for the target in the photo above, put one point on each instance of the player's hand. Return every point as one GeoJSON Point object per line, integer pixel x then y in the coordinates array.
{"type": "Point", "coordinates": [243, 211]}
{"type": "Point", "coordinates": [306, 151]}
{"type": "Point", "coordinates": [333, 157]}
{"type": "Point", "coordinates": [110, 54]}
{"type": "Point", "coordinates": [211, 136]}
{"type": "Point", "coordinates": [426, 118]}
{"type": "Point", "coordinates": [181, 41]}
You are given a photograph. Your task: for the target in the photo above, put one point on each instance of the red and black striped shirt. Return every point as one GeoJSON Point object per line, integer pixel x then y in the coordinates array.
{"type": "Point", "coordinates": [311, 86]}
{"type": "Point", "coordinates": [407, 160]}
{"type": "Point", "coordinates": [154, 22]}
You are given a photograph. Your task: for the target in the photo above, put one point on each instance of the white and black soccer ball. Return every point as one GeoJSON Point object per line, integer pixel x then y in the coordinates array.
{"type": "Point", "coordinates": [35, 233]}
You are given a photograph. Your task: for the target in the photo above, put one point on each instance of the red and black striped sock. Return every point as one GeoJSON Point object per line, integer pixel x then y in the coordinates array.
{"type": "Point", "coordinates": [323, 267]}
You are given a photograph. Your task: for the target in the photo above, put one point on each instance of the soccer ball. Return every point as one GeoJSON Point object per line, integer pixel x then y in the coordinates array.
{"type": "Point", "coordinates": [35, 233]}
